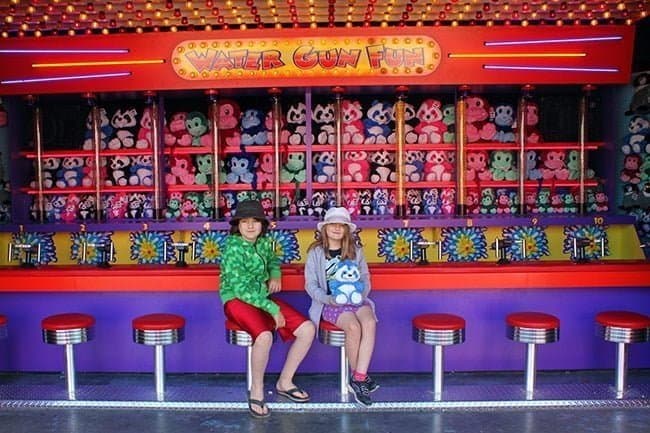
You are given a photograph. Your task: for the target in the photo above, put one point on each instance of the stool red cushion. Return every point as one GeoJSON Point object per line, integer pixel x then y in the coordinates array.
{"type": "Point", "coordinates": [158, 322]}
{"type": "Point", "coordinates": [623, 319]}
{"type": "Point", "coordinates": [3, 320]}
{"type": "Point", "coordinates": [60, 322]}
{"type": "Point", "coordinates": [439, 322]}
{"type": "Point", "coordinates": [328, 326]}
{"type": "Point", "coordinates": [531, 319]}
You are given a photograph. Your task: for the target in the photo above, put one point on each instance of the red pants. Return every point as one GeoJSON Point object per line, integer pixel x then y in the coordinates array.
{"type": "Point", "coordinates": [255, 321]}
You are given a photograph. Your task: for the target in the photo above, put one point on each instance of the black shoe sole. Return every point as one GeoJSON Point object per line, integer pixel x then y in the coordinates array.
{"type": "Point", "coordinates": [357, 398]}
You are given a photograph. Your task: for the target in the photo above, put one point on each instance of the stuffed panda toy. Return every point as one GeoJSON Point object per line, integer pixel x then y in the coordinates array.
{"type": "Point", "coordinates": [346, 286]}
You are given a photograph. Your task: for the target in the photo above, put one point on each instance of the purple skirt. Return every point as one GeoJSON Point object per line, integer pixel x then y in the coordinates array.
{"type": "Point", "coordinates": [331, 313]}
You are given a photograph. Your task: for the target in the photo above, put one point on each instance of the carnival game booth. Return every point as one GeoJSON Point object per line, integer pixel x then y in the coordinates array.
{"type": "Point", "coordinates": [483, 164]}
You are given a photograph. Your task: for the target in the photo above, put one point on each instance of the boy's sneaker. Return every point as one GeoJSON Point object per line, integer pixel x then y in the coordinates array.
{"type": "Point", "coordinates": [361, 392]}
{"type": "Point", "coordinates": [371, 384]}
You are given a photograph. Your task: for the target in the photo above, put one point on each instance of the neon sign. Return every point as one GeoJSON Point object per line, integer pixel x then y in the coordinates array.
{"type": "Point", "coordinates": [389, 56]}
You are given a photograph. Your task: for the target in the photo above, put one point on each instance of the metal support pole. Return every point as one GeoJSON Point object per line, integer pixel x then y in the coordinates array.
{"type": "Point", "coordinates": [69, 371]}
{"type": "Point", "coordinates": [400, 126]}
{"type": "Point", "coordinates": [249, 367]}
{"type": "Point", "coordinates": [276, 110]}
{"type": "Point", "coordinates": [343, 385]}
{"type": "Point", "coordinates": [437, 372]}
{"type": "Point", "coordinates": [158, 205]}
{"type": "Point", "coordinates": [584, 103]}
{"type": "Point", "coordinates": [530, 370]}
{"type": "Point", "coordinates": [621, 369]}
{"type": "Point", "coordinates": [159, 361]}
{"type": "Point", "coordinates": [38, 142]}
{"type": "Point", "coordinates": [338, 116]}
{"type": "Point", "coordinates": [460, 151]}
{"type": "Point", "coordinates": [215, 109]}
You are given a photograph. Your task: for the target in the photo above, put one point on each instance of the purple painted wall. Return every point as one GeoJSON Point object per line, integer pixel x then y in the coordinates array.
{"type": "Point", "coordinates": [205, 350]}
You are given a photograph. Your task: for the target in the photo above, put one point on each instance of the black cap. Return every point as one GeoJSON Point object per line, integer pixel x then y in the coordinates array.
{"type": "Point", "coordinates": [248, 209]}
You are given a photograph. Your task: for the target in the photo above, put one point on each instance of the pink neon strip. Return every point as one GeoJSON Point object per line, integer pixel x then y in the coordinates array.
{"type": "Point", "coordinates": [70, 77]}
{"type": "Point", "coordinates": [550, 68]}
{"type": "Point", "coordinates": [553, 41]}
{"type": "Point", "coordinates": [40, 51]}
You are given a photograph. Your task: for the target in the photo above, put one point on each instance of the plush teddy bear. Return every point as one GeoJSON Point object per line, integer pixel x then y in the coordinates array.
{"type": "Point", "coordinates": [410, 121]}
{"type": "Point", "coordinates": [181, 171]}
{"type": "Point", "coordinates": [638, 138]}
{"type": "Point", "coordinates": [324, 124]}
{"type": "Point", "coordinates": [414, 202]}
{"type": "Point", "coordinates": [487, 203]}
{"type": "Point", "coordinates": [198, 127]}
{"type": "Point", "coordinates": [502, 165]}
{"type": "Point", "coordinates": [553, 165]}
{"type": "Point", "coordinates": [430, 127]}
{"type": "Point", "coordinates": [382, 166]}
{"type": "Point", "coordinates": [503, 202]}
{"type": "Point", "coordinates": [124, 124]}
{"type": "Point", "coordinates": [135, 206]}
{"type": "Point", "coordinates": [240, 168]}
{"type": "Point", "coordinates": [504, 121]}
{"type": "Point", "coordinates": [431, 201]}
{"type": "Point", "coordinates": [365, 202]}
{"type": "Point", "coordinates": [87, 208]}
{"type": "Point", "coordinates": [71, 172]}
{"type": "Point", "coordinates": [203, 167]}
{"type": "Point", "coordinates": [104, 126]}
{"type": "Point", "coordinates": [573, 165]}
{"type": "Point", "coordinates": [297, 124]}
{"type": "Point", "coordinates": [227, 202]}
{"type": "Point", "coordinates": [118, 170]}
{"type": "Point", "coordinates": [449, 119]}
{"type": "Point", "coordinates": [141, 169]}
{"type": "Point", "coordinates": [448, 201]}
{"type": "Point", "coordinates": [414, 165]}
{"type": "Point", "coordinates": [631, 172]}
{"type": "Point", "coordinates": [437, 166]}
{"type": "Point", "coordinates": [351, 201]}
{"type": "Point", "coordinates": [318, 204]}
{"type": "Point", "coordinates": [472, 202]}
{"type": "Point", "coordinates": [116, 205]}
{"type": "Point", "coordinates": [190, 205]}
{"type": "Point", "coordinates": [229, 114]}
{"type": "Point", "coordinates": [324, 167]}
{"type": "Point", "coordinates": [346, 286]}
{"type": "Point", "coordinates": [173, 207]}
{"type": "Point", "coordinates": [70, 209]}
{"type": "Point", "coordinates": [144, 140]}
{"type": "Point", "coordinates": [50, 167]}
{"type": "Point", "coordinates": [476, 165]}
{"type": "Point", "coordinates": [532, 162]}
{"type": "Point", "coordinates": [264, 169]}
{"type": "Point", "coordinates": [178, 133]}
{"type": "Point", "coordinates": [377, 123]}
{"type": "Point", "coordinates": [380, 201]}
{"type": "Point", "coordinates": [294, 169]}
{"type": "Point", "coordinates": [353, 129]}
{"type": "Point", "coordinates": [356, 167]}
{"type": "Point", "coordinates": [478, 124]}
{"type": "Point", "coordinates": [253, 128]}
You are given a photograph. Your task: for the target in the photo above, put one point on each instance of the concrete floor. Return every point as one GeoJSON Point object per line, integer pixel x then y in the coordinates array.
{"type": "Point", "coordinates": [572, 402]}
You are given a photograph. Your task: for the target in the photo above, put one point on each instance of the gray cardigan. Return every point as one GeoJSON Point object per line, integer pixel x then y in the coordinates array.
{"type": "Point", "coordinates": [316, 281]}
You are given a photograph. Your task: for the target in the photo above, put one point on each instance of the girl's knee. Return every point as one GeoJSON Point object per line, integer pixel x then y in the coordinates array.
{"type": "Point", "coordinates": [264, 339]}
{"type": "Point", "coordinates": [307, 330]}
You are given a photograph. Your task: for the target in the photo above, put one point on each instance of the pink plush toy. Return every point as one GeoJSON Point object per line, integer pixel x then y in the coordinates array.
{"type": "Point", "coordinates": [351, 200]}
{"type": "Point", "coordinates": [229, 113]}
{"type": "Point", "coordinates": [430, 127]}
{"type": "Point", "coordinates": [478, 125]}
{"type": "Point", "coordinates": [265, 169]}
{"type": "Point", "coordinates": [356, 167]}
{"type": "Point", "coordinates": [476, 166]}
{"type": "Point", "coordinates": [553, 165]}
{"type": "Point", "coordinates": [352, 124]}
{"type": "Point", "coordinates": [437, 166]}
{"type": "Point", "coordinates": [144, 133]}
{"type": "Point", "coordinates": [532, 119]}
{"type": "Point", "coordinates": [181, 171]}
{"type": "Point", "coordinates": [178, 129]}
{"type": "Point", "coordinates": [69, 212]}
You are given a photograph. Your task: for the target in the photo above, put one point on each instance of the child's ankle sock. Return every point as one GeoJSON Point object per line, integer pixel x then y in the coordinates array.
{"type": "Point", "coordinates": [359, 377]}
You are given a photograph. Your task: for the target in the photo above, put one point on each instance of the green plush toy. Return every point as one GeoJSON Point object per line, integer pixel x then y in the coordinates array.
{"type": "Point", "coordinates": [502, 165]}
{"type": "Point", "coordinates": [573, 164]}
{"type": "Point", "coordinates": [204, 169]}
{"type": "Point", "coordinates": [294, 169]}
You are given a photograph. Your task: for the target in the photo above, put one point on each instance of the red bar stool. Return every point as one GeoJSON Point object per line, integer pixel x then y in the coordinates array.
{"type": "Point", "coordinates": [332, 335]}
{"type": "Point", "coordinates": [532, 328]}
{"type": "Point", "coordinates": [438, 330]}
{"type": "Point", "coordinates": [237, 336]}
{"type": "Point", "coordinates": [68, 329]}
{"type": "Point", "coordinates": [159, 330]}
{"type": "Point", "coordinates": [3, 326]}
{"type": "Point", "coordinates": [622, 328]}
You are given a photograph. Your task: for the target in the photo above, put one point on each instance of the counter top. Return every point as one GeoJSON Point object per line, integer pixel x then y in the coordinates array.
{"type": "Point", "coordinates": [446, 276]}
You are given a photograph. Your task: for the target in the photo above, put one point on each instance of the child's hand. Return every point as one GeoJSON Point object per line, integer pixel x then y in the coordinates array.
{"type": "Point", "coordinates": [279, 320]}
{"type": "Point", "coordinates": [333, 301]}
{"type": "Point", "coordinates": [275, 285]}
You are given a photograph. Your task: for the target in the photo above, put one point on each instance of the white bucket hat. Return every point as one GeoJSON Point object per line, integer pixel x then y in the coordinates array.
{"type": "Point", "coordinates": [339, 215]}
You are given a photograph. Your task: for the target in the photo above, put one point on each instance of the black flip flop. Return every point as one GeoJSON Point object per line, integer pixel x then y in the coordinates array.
{"type": "Point", "coordinates": [260, 403]}
{"type": "Point", "coordinates": [293, 394]}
